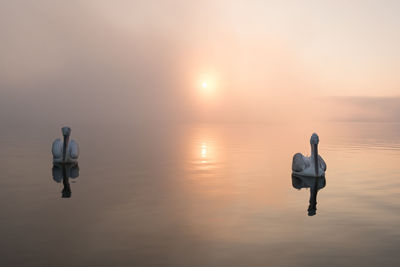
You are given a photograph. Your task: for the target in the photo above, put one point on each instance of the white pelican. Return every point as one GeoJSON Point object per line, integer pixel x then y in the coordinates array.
{"type": "Point", "coordinates": [65, 152]}
{"type": "Point", "coordinates": [314, 165]}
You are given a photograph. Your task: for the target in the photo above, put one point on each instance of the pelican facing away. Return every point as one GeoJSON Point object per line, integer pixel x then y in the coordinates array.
{"type": "Point", "coordinates": [66, 151]}
{"type": "Point", "coordinates": [314, 165]}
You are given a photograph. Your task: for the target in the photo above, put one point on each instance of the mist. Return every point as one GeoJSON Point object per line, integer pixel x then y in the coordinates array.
{"type": "Point", "coordinates": [142, 61]}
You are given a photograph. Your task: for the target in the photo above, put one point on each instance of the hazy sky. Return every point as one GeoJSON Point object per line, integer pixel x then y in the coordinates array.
{"type": "Point", "coordinates": [63, 60]}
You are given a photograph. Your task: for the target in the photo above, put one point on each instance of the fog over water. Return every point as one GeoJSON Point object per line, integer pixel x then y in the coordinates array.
{"type": "Point", "coordinates": [145, 61]}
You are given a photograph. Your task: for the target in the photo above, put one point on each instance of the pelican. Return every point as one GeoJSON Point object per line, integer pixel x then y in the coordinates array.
{"type": "Point", "coordinates": [65, 152]}
{"type": "Point", "coordinates": [313, 166]}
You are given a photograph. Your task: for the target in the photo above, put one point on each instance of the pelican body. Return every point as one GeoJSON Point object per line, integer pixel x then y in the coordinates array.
{"type": "Point", "coordinates": [66, 151]}
{"type": "Point", "coordinates": [313, 166]}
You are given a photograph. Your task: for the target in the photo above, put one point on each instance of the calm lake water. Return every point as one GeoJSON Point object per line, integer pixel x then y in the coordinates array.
{"type": "Point", "coordinates": [200, 195]}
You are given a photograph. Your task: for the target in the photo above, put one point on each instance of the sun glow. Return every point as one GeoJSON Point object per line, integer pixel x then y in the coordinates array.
{"type": "Point", "coordinates": [207, 86]}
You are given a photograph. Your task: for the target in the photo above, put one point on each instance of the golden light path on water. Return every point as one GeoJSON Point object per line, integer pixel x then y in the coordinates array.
{"type": "Point", "coordinates": [225, 176]}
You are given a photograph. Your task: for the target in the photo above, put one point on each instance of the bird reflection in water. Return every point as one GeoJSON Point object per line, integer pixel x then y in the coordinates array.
{"type": "Point", "coordinates": [63, 172]}
{"type": "Point", "coordinates": [315, 184]}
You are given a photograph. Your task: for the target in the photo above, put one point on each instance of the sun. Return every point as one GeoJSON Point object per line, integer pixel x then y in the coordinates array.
{"type": "Point", "coordinates": [206, 86]}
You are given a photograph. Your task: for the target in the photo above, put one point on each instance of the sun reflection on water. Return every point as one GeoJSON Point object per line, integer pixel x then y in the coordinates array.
{"type": "Point", "coordinates": [204, 152]}
{"type": "Point", "coordinates": [204, 155]}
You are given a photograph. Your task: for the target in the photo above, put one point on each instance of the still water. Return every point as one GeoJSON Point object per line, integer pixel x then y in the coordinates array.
{"type": "Point", "coordinates": [200, 195]}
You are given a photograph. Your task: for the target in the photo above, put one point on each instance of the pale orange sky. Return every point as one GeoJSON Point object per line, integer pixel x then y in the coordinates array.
{"type": "Point", "coordinates": [345, 47]}
{"type": "Point", "coordinates": [150, 57]}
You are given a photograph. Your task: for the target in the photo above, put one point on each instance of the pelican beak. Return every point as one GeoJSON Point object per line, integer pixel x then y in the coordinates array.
{"type": "Point", "coordinates": [65, 145]}
{"type": "Point", "coordinates": [316, 165]}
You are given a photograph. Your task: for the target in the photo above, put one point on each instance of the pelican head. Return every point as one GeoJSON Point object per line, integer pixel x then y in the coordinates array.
{"type": "Point", "coordinates": [66, 131]}
{"type": "Point", "coordinates": [314, 140]}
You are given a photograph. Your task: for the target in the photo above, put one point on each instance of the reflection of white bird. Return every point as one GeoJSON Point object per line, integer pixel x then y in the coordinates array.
{"type": "Point", "coordinates": [315, 184]}
{"type": "Point", "coordinates": [309, 166]}
{"type": "Point", "coordinates": [64, 171]}
{"type": "Point", "coordinates": [65, 151]}
{"type": "Point", "coordinates": [300, 182]}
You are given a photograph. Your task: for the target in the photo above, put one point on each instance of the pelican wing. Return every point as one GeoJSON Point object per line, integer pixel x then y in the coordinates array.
{"type": "Point", "coordinates": [298, 163]}
{"type": "Point", "coordinates": [73, 149]}
{"type": "Point", "coordinates": [57, 148]}
{"type": "Point", "coordinates": [322, 163]}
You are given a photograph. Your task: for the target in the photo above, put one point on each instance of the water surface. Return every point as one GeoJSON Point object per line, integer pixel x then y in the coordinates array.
{"type": "Point", "coordinates": [200, 195]}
